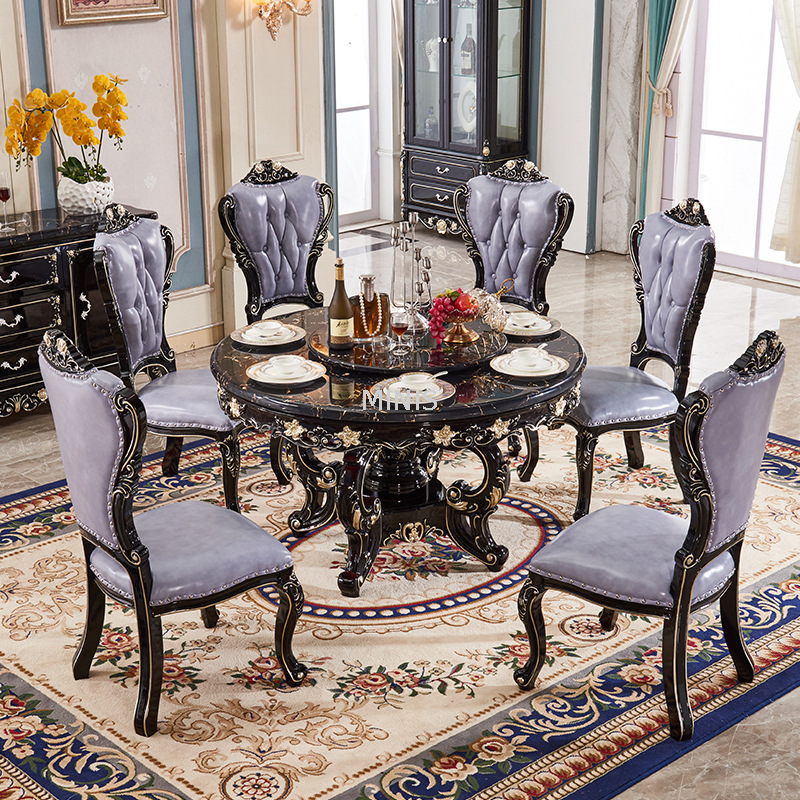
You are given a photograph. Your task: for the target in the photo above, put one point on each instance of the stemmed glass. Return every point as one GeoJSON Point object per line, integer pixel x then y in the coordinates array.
{"type": "Point", "coordinates": [399, 321]}
{"type": "Point", "coordinates": [5, 194]}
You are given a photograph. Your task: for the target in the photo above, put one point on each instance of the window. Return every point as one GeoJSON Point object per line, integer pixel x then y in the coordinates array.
{"type": "Point", "coordinates": [744, 111]}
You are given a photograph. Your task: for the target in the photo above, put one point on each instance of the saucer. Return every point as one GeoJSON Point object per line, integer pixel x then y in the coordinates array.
{"type": "Point", "coordinates": [392, 389]}
{"type": "Point", "coordinates": [549, 365]}
{"type": "Point", "coordinates": [262, 373]}
{"type": "Point", "coordinates": [250, 336]}
{"type": "Point", "coordinates": [541, 326]}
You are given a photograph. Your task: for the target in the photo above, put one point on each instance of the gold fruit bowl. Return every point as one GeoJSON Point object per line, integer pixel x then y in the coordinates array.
{"type": "Point", "coordinates": [460, 333]}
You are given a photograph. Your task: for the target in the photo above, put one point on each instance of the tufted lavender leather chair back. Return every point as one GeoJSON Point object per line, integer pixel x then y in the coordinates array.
{"type": "Point", "coordinates": [733, 433]}
{"type": "Point", "coordinates": [673, 255]}
{"type": "Point", "coordinates": [134, 256]}
{"type": "Point", "coordinates": [514, 223]}
{"type": "Point", "coordinates": [90, 435]}
{"type": "Point", "coordinates": [277, 222]}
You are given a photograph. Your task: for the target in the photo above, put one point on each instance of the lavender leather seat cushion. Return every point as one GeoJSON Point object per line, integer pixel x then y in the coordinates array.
{"type": "Point", "coordinates": [186, 398]}
{"type": "Point", "coordinates": [627, 553]}
{"type": "Point", "coordinates": [196, 549]}
{"type": "Point", "coordinates": [611, 395]}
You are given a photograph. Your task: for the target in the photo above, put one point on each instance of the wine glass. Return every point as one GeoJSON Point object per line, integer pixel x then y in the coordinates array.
{"type": "Point", "coordinates": [399, 322]}
{"type": "Point", "coordinates": [5, 194]}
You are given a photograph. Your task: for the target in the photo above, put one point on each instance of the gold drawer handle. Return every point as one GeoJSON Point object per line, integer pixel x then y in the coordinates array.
{"type": "Point", "coordinates": [442, 171]}
{"type": "Point", "coordinates": [442, 198]}
{"type": "Point", "coordinates": [11, 278]}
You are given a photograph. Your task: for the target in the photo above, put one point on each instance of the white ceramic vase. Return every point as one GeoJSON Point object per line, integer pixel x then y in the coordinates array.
{"type": "Point", "coordinates": [84, 198]}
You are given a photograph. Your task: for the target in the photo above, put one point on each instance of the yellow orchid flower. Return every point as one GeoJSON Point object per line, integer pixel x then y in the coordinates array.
{"type": "Point", "coordinates": [58, 99]}
{"type": "Point", "coordinates": [35, 99]}
{"type": "Point", "coordinates": [116, 79]}
{"type": "Point", "coordinates": [101, 84]}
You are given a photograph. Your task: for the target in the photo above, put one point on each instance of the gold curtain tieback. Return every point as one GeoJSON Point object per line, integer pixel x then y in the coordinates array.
{"type": "Point", "coordinates": [667, 94]}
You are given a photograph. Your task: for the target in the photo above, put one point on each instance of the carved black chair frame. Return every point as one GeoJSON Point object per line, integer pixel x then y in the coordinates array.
{"type": "Point", "coordinates": [118, 219]}
{"type": "Point", "coordinates": [133, 556]}
{"type": "Point", "coordinates": [687, 212]}
{"type": "Point", "coordinates": [265, 173]}
{"type": "Point", "coordinates": [690, 560]}
{"type": "Point", "coordinates": [521, 171]}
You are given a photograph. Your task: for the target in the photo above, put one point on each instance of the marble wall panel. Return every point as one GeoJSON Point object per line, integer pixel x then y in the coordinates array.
{"type": "Point", "coordinates": [623, 92]}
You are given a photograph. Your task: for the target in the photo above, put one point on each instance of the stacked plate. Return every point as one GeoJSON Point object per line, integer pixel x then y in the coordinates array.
{"type": "Point", "coordinates": [528, 323]}
{"type": "Point", "coordinates": [285, 371]}
{"type": "Point", "coordinates": [529, 362]}
{"type": "Point", "coordinates": [268, 333]}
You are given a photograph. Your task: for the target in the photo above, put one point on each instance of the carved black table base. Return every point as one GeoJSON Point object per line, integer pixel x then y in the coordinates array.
{"type": "Point", "coordinates": [379, 493]}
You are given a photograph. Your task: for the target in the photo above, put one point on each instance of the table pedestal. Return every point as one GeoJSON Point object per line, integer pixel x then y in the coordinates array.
{"type": "Point", "coordinates": [384, 491]}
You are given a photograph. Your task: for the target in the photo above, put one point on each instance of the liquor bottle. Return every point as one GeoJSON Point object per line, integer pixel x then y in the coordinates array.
{"type": "Point", "coordinates": [431, 126]}
{"type": "Point", "coordinates": [342, 391]}
{"type": "Point", "coordinates": [468, 53]}
{"type": "Point", "coordinates": [340, 315]}
{"type": "Point", "coordinates": [370, 311]}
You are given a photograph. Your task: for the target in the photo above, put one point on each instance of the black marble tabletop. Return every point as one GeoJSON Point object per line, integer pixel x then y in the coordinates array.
{"type": "Point", "coordinates": [339, 396]}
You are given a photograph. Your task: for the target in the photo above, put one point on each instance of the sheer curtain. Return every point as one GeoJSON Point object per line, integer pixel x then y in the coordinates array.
{"type": "Point", "coordinates": [666, 27]}
{"type": "Point", "coordinates": [786, 231]}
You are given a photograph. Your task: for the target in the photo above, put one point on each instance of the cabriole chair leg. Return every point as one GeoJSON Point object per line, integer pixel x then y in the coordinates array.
{"type": "Point", "coordinates": [732, 628]}
{"type": "Point", "coordinates": [151, 668]}
{"type": "Point", "coordinates": [608, 619]}
{"type": "Point", "coordinates": [231, 462]}
{"type": "Point", "coordinates": [633, 447]}
{"type": "Point", "coordinates": [93, 629]}
{"type": "Point", "coordinates": [673, 657]}
{"type": "Point", "coordinates": [525, 470]}
{"type": "Point", "coordinates": [585, 444]}
{"type": "Point", "coordinates": [289, 610]}
{"type": "Point", "coordinates": [172, 456]}
{"type": "Point", "coordinates": [529, 607]}
{"type": "Point", "coordinates": [210, 616]}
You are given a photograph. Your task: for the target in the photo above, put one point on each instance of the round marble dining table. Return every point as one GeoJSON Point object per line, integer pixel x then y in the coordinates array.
{"type": "Point", "coordinates": [386, 483]}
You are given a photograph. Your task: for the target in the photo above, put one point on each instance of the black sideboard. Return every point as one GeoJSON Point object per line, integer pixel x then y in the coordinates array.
{"type": "Point", "coordinates": [47, 280]}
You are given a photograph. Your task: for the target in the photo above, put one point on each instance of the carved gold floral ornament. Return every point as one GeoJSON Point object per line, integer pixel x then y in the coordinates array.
{"type": "Point", "coordinates": [293, 430]}
{"type": "Point", "coordinates": [444, 435]}
{"type": "Point", "coordinates": [271, 11]}
{"type": "Point", "coordinates": [349, 437]}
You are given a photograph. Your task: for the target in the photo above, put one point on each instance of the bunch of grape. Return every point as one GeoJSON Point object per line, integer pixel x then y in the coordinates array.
{"type": "Point", "coordinates": [443, 306]}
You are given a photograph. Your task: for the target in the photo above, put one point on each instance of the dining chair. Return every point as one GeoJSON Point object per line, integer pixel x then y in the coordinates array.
{"type": "Point", "coordinates": [645, 561]}
{"type": "Point", "coordinates": [673, 257]}
{"type": "Point", "coordinates": [179, 556]}
{"type": "Point", "coordinates": [513, 222]}
{"type": "Point", "coordinates": [276, 222]}
{"type": "Point", "coordinates": [133, 261]}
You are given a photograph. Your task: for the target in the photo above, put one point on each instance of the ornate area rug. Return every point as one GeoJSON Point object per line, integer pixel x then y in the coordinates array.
{"type": "Point", "coordinates": [410, 692]}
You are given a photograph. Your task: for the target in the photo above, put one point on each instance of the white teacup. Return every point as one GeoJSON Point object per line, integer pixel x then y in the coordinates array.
{"type": "Point", "coordinates": [525, 319]}
{"type": "Point", "coordinates": [267, 327]}
{"type": "Point", "coordinates": [287, 366]}
{"type": "Point", "coordinates": [415, 380]}
{"type": "Point", "coordinates": [528, 357]}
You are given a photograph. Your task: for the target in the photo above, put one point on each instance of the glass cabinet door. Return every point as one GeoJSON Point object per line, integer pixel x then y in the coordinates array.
{"type": "Point", "coordinates": [464, 99]}
{"type": "Point", "coordinates": [427, 50]}
{"type": "Point", "coordinates": [509, 70]}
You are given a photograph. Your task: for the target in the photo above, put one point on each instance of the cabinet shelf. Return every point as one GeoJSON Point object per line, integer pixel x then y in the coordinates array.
{"type": "Point", "coordinates": [456, 123]}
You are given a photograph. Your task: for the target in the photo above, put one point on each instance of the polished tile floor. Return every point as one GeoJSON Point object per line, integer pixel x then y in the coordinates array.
{"type": "Point", "coordinates": [593, 298]}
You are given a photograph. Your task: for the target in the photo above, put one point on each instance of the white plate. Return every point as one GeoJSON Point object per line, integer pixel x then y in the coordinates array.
{"type": "Point", "coordinates": [466, 108]}
{"type": "Point", "coordinates": [261, 373]}
{"type": "Point", "coordinates": [394, 389]}
{"type": "Point", "coordinates": [550, 365]}
{"type": "Point", "coordinates": [249, 336]}
{"type": "Point", "coordinates": [540, 327]}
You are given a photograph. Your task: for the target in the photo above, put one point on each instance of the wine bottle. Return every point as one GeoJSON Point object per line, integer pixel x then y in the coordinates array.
{"type": "Point", "coordinates": [340, 315]}
{"type": "Point", "coordinates": [431, 126]}
{"type": "Point", "coordinates": [468, 53]}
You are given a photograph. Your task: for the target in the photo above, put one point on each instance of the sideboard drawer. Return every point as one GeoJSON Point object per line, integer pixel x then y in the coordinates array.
{"type": "Point", "coordinates": [28, 270]}
{"type": "Point", "coordinates": [433, 196]}
{"type": "Point", "coordinates": [17, 362]}
{"type": "Point", "coordinates": [441, 170]}
{"type": "Point", "coordinates": [29, 320]}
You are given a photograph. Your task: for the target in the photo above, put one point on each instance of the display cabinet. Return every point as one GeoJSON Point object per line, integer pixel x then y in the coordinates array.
{"type": "Point", "coordinates": [47, 280]}
{"type": "Point", "coordinates": [466, 97]}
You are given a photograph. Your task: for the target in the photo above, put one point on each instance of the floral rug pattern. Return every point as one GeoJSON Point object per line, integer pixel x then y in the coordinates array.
{"type": "Point", "coordinates": [410, 692]}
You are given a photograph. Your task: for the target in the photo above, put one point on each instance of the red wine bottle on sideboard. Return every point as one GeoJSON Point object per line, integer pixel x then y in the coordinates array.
{"type": "Point", "coordinates": [340, 314]}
